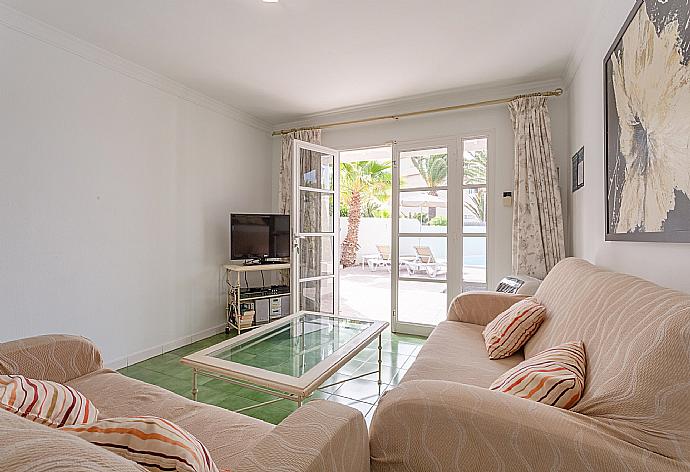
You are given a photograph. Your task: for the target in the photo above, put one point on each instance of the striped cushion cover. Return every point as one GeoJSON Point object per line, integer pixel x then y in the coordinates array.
{"type": "Point", "coordinates": [510, 330]}
{"type": "Point", "coordinates": [45, 402]}
{"type": "Point", "coordinates": [154, 443]}
{"type": "Point", "coordinates": [555, 376]}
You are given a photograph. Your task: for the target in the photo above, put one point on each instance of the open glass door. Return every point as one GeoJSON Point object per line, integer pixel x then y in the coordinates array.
{"type": "Point", "coordinates": [315, 228]}
{"type": "Point", "coordinates": [426, 193]}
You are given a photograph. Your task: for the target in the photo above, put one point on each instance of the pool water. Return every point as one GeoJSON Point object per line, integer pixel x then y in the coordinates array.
{"type": "Point", "coordinates": [475, 261]}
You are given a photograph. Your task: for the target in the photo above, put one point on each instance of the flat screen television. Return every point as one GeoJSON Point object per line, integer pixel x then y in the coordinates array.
{"type": "Point", "coordinates": [259, 237]}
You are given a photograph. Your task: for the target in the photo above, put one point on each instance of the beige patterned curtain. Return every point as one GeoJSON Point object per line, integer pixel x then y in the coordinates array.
{"type": "Point", "coordinates": [285, 185]}
{"type": "Point", "coordinates": [538, 241]}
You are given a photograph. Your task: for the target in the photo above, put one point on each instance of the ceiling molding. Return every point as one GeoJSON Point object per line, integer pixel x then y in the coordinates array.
{"type": "Point", "coordinates": [423, 101]}
{"type": "Point", "coordinates": [45, 33]}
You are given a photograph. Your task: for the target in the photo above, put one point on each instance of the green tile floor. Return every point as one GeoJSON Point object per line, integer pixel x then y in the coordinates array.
{"type": "Point", "coordinates": [398, 353]}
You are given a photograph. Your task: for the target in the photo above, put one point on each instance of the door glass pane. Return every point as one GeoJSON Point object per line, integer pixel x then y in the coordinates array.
{"type": "Point", "coordinates": [423, 257]}
{"type": "Point", "coordinates": [421, 302]}
{"type": "Point", "coordinates": [474, 263]}
{"type": "Point", "coordinates": [316, 212]}
{"type": "Point", "coordinates": [317, 295]}
{"type": "Point", "coordinates": [474, 210]}
{"type": "Point", "coordinates": [423, 212]}
{"type": "Point", "coordinates": [316, 256]}
{"type": "Point", "coordinates": [474, 160]}
{"type": "Point", "coordinates": [424, 168]}
{"type": "Point", "coordinates": [316, 170]}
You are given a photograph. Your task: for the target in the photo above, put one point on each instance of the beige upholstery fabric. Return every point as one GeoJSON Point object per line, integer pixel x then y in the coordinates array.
{"type": "Point", "coordinates": [31, 447]}
{"type": "Point", "coordinates": [637, 337]}
{"type": "Point", "coordinates": [56, 357]}
{"type": "Point", "coordinates": [634, 415]}
{"type": "Point", "coordinates": [227, 435]}
{"type": "Point", "coordinates": [320, 436]}
{"type": "Point", "coordinates": [481, 307]}
{"type": "Point", "coordinates": [437, 426]}
{"type": "Point", "coordinates": [456, 352]}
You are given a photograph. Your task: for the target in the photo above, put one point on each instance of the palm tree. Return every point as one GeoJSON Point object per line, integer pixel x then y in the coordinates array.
{"type": "Point", "coordinates": [474, 170]}
{"type": "Point", "coordinates": [476, 205]}
{"type": "Point", "coordinates": [361, 183]}
{"type": "Point", "coordinates": [434, 171]}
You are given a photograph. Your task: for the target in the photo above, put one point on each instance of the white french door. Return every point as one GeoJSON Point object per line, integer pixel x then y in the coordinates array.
{"type": "Point", "coordinates": [315, 228]}
{"type": "Point", "coordinates": [426, 272]}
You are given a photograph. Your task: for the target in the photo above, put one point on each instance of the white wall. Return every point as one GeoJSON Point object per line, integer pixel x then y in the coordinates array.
{"type": "Point", "coordinates": [114, 196]}
{"type": "Point", "coordinates": [663, 263]}
{"type": "Point", "coordinates": [494, 119]}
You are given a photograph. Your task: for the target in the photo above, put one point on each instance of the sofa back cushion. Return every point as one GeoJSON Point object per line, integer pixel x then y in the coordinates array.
{"type": "Point", "coordinates": [638, 351]}
{"type": "Point", "coordinates": [56, 357]}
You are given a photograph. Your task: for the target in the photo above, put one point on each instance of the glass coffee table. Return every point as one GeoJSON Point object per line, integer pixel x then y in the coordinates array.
{"type": "Point", "coordinates": [289, 358]}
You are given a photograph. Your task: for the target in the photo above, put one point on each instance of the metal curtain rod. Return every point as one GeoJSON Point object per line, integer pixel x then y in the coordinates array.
{"type": "Point", "coordinates": [548, 93]}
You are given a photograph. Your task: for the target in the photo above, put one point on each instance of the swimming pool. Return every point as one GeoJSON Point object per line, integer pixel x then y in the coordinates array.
{"type": "Point", "coordinates": [474, 260]}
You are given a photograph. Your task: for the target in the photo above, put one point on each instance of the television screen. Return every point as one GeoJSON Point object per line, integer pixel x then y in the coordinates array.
{"type": "Point", "coordinates": [259, 236]}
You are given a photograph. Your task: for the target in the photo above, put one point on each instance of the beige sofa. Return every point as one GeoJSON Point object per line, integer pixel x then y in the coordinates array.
{"type": "Point", "coordinates": [634, 415]}
{"type": "Point", "coordinates": [319, 436]}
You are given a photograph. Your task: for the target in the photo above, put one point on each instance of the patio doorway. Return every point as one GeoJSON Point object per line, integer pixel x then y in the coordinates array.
{"type": "Point", "coordinates": [407, 212]}
{"type": "Point", "coordinates": [365, 233]}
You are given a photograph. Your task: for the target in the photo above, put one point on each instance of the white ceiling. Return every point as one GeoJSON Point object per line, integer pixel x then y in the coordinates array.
{"type": "Point", "coordinates": [282, 61]}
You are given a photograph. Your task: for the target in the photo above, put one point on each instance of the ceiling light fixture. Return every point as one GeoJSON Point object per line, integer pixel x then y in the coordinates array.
{"type": "Point", "coordinates": [270, 1]}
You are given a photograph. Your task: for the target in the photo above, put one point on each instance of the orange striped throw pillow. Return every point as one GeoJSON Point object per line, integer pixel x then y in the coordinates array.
{"type": "Point", "coordinates": [510, 330]}
{"type": "Point", "coordinates": [45, 402]}
{"type": "Point", "coordinates": [154, 443]}
{"type": "Point", "coordinates": [555, 376]}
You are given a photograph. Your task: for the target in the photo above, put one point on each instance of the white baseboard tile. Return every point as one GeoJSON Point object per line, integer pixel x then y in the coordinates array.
{"type": "Point", "coordinates": [145, 354]}
{"type": "Point", "coordinates": [208, 332]}
{"type": "Point", "coordinates": [162, 348]}
{"type": "Point", "coordinates": [177, 343]}
{"type": "Point", "coordinates": [119, 363]}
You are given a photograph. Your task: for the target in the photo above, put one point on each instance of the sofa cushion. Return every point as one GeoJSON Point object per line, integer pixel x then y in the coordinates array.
{"type": "Point", "coordinates": [27, 446]}
{"type": "Point", "coordinates": [154, 443]}
{"type": "Point", "coordinates": [227, 435]}
{"type": "Point", "coordinates": [55, 357]}
{"type": "Point", "coordinates": [555, 376]}
{"type": "Point", "coordinates": [511, 329]}
{"type": "Point", "coordinates": [45, 402]}
{"type": "Point", "coordinates": [637, 336]}
{"type": "Point", "coordinates": [455, 351]}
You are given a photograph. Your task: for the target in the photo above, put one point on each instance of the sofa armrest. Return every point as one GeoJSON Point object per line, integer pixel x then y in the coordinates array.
{"type": "Point", "coordinates": [481, 307]}
{"type": "Point", "coordinates": [436, 425]}
{"type": "Point", "coordinates": [56, 357]}
{"type": "Point", "coordinates": [319, 436]}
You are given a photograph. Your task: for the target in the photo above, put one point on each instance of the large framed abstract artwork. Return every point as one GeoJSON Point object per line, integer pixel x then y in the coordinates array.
{"type": "Point", "coordinates": [647, 125]}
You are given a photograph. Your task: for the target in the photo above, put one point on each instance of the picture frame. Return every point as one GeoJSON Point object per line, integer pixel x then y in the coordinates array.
{"type": "Point", "coordinates": [578, 169]}
{"type": "Point", "coordinates": [645, 202]}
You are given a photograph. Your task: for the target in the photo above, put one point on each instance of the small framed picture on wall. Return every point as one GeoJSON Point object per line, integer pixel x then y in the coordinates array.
{"type": "Point", "coordinates": [578, 172]}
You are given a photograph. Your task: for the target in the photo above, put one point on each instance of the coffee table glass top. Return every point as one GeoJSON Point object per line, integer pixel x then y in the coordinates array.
{"type": "Point", "coordinates": [295, 347]}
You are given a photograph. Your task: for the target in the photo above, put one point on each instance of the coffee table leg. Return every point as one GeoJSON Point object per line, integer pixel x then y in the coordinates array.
{"type": "Point", "coordinates": [299, 401]}
{"type": "Point", "coordinates": [379, 359]}
{"type": "Point", "coordinates": [195, 388]}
